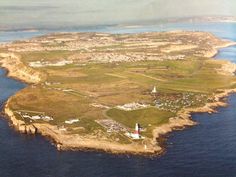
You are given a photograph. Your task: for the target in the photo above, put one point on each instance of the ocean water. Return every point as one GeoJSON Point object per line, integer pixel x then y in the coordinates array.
{"type": "Point", "coordinates": [207, 150]}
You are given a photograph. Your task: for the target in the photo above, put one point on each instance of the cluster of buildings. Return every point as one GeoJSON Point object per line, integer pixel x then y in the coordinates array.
{"type": "Point", "coordinates": [43, 117]}
{"type": "Point", "coordinates": [39, 64]}
{"type": "Point", "coordinates": [132, 106]}
{"type": "Point", "coordinates": [181, 100]}
{"type": "Point", "coordinates": [113, 126]}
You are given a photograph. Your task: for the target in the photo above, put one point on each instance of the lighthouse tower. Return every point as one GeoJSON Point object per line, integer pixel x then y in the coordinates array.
{"type": "Point", "coordinates": [154, 90]}
{"type": "Point", "coordinates": [136, 134]}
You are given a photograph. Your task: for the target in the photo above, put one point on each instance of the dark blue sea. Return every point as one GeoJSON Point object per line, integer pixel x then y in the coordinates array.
{"type": "Point", "coordinates": [206, 150]}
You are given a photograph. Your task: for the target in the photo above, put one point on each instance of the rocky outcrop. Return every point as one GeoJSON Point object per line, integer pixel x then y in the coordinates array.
{"type": "Point", "coordinates": [17, 69]}
{"type": "Point", "coordinates": [65, 141]}
{"type": "Point", "coordinates": [213, 51]}
{"type": "Point", "coordinates": [19, 125]}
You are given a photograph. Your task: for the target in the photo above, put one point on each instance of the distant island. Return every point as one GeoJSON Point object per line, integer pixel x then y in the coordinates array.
{"type": "Point", "coordinates": [115, 92]}
{"type": "Point", "coordinates": [194, 19]}
{"type": "Point", "coordinates": [132, 24]}
{"type": "Point", "coordinates": [222, 19]}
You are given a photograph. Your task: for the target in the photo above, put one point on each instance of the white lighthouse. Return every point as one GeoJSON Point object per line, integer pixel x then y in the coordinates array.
{"type": "Point", "coordinates": [136, 134]}
{"type": "Point", "coordinates": [154, 90]}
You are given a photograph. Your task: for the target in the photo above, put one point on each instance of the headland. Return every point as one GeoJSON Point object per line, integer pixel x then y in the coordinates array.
{"type": "Point", "coordinates": [88, 90]}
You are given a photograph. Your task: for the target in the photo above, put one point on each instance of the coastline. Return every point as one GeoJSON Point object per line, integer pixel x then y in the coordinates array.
{"type": "Point", "coordinates": [213, 53]}
{"type": "Point", "coordinates": [18, 70]}
{"type": "Point", "coordinates": [183, 118]}
{"type": "Point", "coordinates": [67, 142]}
{"type": "Point", "coordinates": [76, 142]}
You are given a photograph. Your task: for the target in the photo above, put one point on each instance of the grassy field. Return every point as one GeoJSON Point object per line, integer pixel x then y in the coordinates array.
{"type": "Point", "coordinates": [149, 118]}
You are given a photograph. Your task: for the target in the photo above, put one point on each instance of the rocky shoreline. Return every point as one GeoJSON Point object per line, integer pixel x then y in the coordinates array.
{"type": "Point", "coordinates": [75, 142]}
{"type": "Point", "coordinates": [215, 51]}
{"type": "Point", "coordinates": [62, 141]}
{"type": "Point", "coordinates": [17, 69]}
{"type": "Point", "coordinates": [183, 118]}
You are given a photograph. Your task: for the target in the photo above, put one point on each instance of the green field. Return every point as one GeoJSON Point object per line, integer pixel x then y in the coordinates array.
{"type": "Point", "coordinates": [149, 118]}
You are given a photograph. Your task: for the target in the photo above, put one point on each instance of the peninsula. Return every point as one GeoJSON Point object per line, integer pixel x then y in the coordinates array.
{"type": "Point", "coordinates": [88, 90]}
